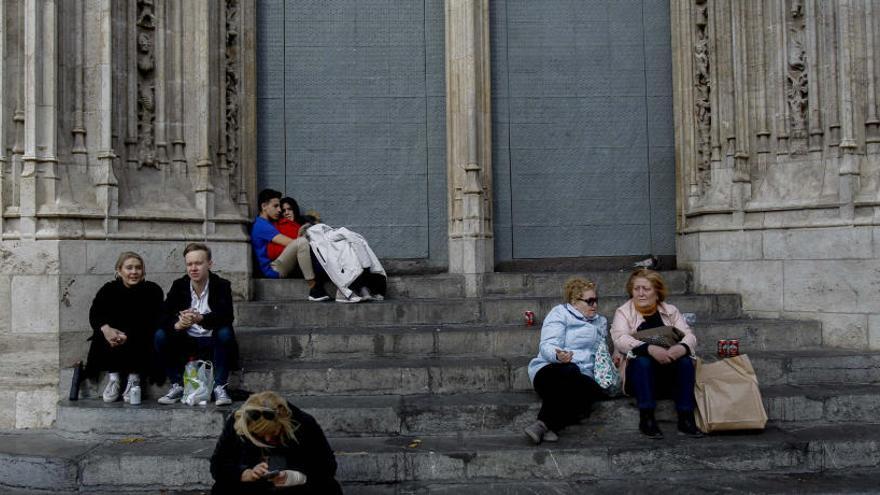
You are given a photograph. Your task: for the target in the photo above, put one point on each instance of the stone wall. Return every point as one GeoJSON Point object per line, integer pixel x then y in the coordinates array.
{"type": "Point", "coordinates": [778, 157]}
{"type": "Point", "coordinates": [123, 126]}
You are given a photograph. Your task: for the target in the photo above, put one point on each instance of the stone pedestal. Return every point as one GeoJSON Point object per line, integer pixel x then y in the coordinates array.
{"type": "Point", "coordinates": [120, 129]}
{"type": "Point", "coordinates": [777, 156]}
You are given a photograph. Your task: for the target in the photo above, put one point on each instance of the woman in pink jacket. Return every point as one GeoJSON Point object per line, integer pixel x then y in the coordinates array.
{"type": "Point", "coordinates": [652, 371]}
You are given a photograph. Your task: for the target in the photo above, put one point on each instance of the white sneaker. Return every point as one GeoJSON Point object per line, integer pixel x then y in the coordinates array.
{"type": "Point", "coordinates": [221, 398]}
{"type": "Point", "coordinates": [340, 298]}
{"type": "Point", "coordinates": [174, 394]}
{"type": "Point", "coordinates": [133, 379]}
{"type": "Point", "coordinates": [111, 391]}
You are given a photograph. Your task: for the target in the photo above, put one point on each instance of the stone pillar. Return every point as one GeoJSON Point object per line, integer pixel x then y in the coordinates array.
{"type": "Point", "coordinates": [469, 140]}
{"type": "Point", "coordinates": [787, 90]}
{"type": "Point", "coordinates": [119, 124]}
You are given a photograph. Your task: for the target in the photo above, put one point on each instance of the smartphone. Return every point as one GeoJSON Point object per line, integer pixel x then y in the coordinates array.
{"type": "Point", "coordinates": [271, 474]}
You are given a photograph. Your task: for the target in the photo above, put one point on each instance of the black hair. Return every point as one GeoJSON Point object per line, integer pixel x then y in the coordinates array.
{"type": "Point", "coordinates": [265, 196]}
{"type": "Point", "coordinates": [297, 217]}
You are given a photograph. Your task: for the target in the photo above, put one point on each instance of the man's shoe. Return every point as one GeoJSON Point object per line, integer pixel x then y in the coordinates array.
{"type": "Point", "coordinates": [365, 294]}
{"type": "Point", "coordinates": [648, 425]}
{"type": "Point", "coordinates": [686, 425]}
{"type": "Point", "coordinates": [536, 431]}
{"type": "Point", "coordinates": [111, 391]}
{"type": "Point", "coordinates": [133, 379]}
{"type": "Point", "coordinates": [340, 297]}
{"type": "Point", "coordinates": [551, 436]}
{"type": "Point", "coordinates": [317, 294]}
{"type": "Point", "coordinates": [174, 394]}
{"type": "Point", "coordinates": [221, 398]}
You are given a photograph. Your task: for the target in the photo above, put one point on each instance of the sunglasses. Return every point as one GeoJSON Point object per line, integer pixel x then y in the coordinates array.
{"type": "Point", "coordinates": [255, 414]}
{"type": "Point", "coordinates": [591, 301]}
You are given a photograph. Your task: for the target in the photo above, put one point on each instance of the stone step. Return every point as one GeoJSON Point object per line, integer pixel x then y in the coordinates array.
{"type": "Point", "coordinates": [694, 482]}
{"type": "Point", "coordinates": [42, 460]}
{"type": "Point", "coordinates": [451, 286]}
{"type": "Point", "coordinates": [496, 340]}
{"type": "Point", "coordinates": [449, 375]}
{"type": "Point", "coordinates": [437, 415]}
{"type": "Point", "coordinates": [505, 310]}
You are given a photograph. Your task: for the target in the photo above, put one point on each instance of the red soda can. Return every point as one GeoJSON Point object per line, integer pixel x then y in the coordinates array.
{"type": "Point", "coordinates": [733, 347]}
{"type": "Point", "coordinates": [530, 317]}
{"type": "Point", "coordinates": [723, 347]}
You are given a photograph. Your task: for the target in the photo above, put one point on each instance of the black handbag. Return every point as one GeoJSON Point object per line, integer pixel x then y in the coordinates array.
{"type": "Point", "coordinates": [665, 336]}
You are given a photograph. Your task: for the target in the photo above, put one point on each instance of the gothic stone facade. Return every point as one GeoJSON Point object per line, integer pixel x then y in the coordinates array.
{"type": "Point", "coordinates": [131, 125]}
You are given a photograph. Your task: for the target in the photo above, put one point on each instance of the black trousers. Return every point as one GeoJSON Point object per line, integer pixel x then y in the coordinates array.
{"type": "Point", "coordinates": [567, 394]}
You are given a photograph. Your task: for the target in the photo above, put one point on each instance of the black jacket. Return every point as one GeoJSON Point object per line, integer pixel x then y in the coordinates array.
{"type": "Point", "coordinates": [219, 300]}
{"type": "Point", "coordinates": [310, 455]}
{"type": "Point", "coordinates": [135, 311]}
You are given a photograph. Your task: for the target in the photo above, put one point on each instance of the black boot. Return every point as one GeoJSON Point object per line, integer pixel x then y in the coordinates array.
{"type": "Point", "coordinates": [648, 425]}
{"type": "Point", "coordinates": [686, 425]}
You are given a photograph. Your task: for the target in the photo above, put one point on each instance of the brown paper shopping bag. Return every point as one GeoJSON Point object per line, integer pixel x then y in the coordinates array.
{"type": "Point", "coordinates": [728, 397]}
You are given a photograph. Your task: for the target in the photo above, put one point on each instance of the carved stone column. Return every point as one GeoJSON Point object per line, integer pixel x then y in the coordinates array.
{"type": "Point", "coordinates": [469, 140]}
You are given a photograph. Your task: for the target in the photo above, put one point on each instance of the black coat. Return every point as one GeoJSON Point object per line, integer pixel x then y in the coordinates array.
{"type": "Point", "coordinates": [310, 455]}
{"type": "Point", "coordinates": [179, 298]}
{"type": "Point", "coordinates": [137, 312]}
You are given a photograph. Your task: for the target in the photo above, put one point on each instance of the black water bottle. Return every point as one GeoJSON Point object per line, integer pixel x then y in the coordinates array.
{"type": "Point", "coordinates": [74, 382]}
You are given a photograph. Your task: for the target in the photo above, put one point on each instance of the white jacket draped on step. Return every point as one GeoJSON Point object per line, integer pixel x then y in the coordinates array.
{"type": "Point", "coordinates": [343, 254]}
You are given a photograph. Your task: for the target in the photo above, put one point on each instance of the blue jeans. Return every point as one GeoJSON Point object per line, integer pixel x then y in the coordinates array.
{"type": "Point", "coordinates": [647, 380]}
{"type": "Point", "coordinates": [174, 348]}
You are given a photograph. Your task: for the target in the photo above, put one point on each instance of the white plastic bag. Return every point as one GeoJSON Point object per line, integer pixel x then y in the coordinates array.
{"type": "Point", "coordinates": [198, 376]}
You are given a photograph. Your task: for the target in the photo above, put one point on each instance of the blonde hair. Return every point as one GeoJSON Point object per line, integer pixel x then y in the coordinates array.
{"type": "Point", "coordinates": [651, 276]}
{"type": "Point", "coordinates": [127, 255]}
{"type": "Point", "coordinates": [283, 425]}
{"type": "Point", "coordinates": [574, 287]}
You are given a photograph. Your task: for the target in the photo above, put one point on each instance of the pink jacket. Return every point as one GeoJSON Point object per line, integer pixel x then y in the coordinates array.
{"type": "Point", "coordinates": [627, 319]}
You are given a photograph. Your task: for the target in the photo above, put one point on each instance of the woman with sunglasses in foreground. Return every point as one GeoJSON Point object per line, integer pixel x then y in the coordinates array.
{"type": "Point", "coordinates": [562, 373]}
{"type": "Point", "coordinates": [270, 446]}
{"type": "Point", "coordinates": [651, 371]}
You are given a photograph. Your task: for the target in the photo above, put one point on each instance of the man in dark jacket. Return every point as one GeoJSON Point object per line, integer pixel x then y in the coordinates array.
{"type": "Point", "coordinates": [198, 320]}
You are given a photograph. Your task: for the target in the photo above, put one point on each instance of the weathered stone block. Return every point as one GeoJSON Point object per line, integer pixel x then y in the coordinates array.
{"type": "Point", "coordinates": [874, 331]}
{"type": "Point", "coordinates": [5, 303]}
{"type": "Point", "coordinates": [844, 286]}
{"type": "Point", "coordinates": [73, 256]}
{"type": "Point", "coordinates": [687, 248]}
{"type": "Point", "coordinates": [839, 329]}
{"type": "Point", "coordinates": [76, 294]}
{"type": "Point", "coordinates": [726, 246]}
{"type": "Point", "coordinates": [35, 304]}
{"type": "Point", "coordinates": [759, 282]}
{"type": "Point", "coordinates": [830, 243]}
{"type": "Point", "coordinates": [7, 410]}
{"type": "Point", "coordinates": [28, 257]}
{"type": "Point", "coordinates": [35, 408]}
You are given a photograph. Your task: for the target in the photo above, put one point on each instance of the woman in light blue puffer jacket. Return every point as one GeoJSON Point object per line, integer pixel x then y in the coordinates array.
{"type": "Point", "coordinates": [562, 372]}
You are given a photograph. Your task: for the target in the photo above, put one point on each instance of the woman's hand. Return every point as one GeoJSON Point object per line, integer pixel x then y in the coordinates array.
{"type": "Point", "coordinates": [255, 473]}
{"type": "Point", "coordinates": [677, 351]}
{"type": "Point", "coordinates": [616, 358]}
{"type": "Point", "coordinates": [660, 354]}
{"type": "Point", "coordinates": [114, 337]}
{"type": "Point", "coordinates": [289, 477]}
{"type": "Point", "coordinates": [563, 356]}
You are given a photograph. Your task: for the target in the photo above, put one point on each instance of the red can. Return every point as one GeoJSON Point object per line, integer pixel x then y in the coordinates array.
{"type": "Point", "coordinates": [723, 347]}
{"type": "Point", "coordinates": [530, 317]}
{"type": "Point", "coordinates": [733, 347]}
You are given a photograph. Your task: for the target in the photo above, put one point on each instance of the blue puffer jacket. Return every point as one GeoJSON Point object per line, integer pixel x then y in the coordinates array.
{"type": "Point", "coordinates": [567, 329]}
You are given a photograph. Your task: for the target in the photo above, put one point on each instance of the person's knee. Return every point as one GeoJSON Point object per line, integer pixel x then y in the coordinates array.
{"type": "Point", "coordinates": [160, 340]}
{"type": "Point", "coordinates": [224, 336]}
{"type": "Point", "coordinates": [686, 365]}
{"type": "Point", "coordinates": [641, 363]}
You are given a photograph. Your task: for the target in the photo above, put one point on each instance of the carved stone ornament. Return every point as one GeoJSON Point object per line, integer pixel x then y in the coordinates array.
{"type": "Point", "coordinates": [146, 86]}
{"type": "Point", "coordinates": [702, 93]}
{"type": "Point", "coordinates": [796, 78]}
{"type": "Point", "coordinates": [233, 67]}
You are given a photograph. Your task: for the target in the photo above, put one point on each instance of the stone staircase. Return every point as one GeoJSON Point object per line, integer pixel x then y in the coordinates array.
{"type": "Point", "coordinates": [427, 392]}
